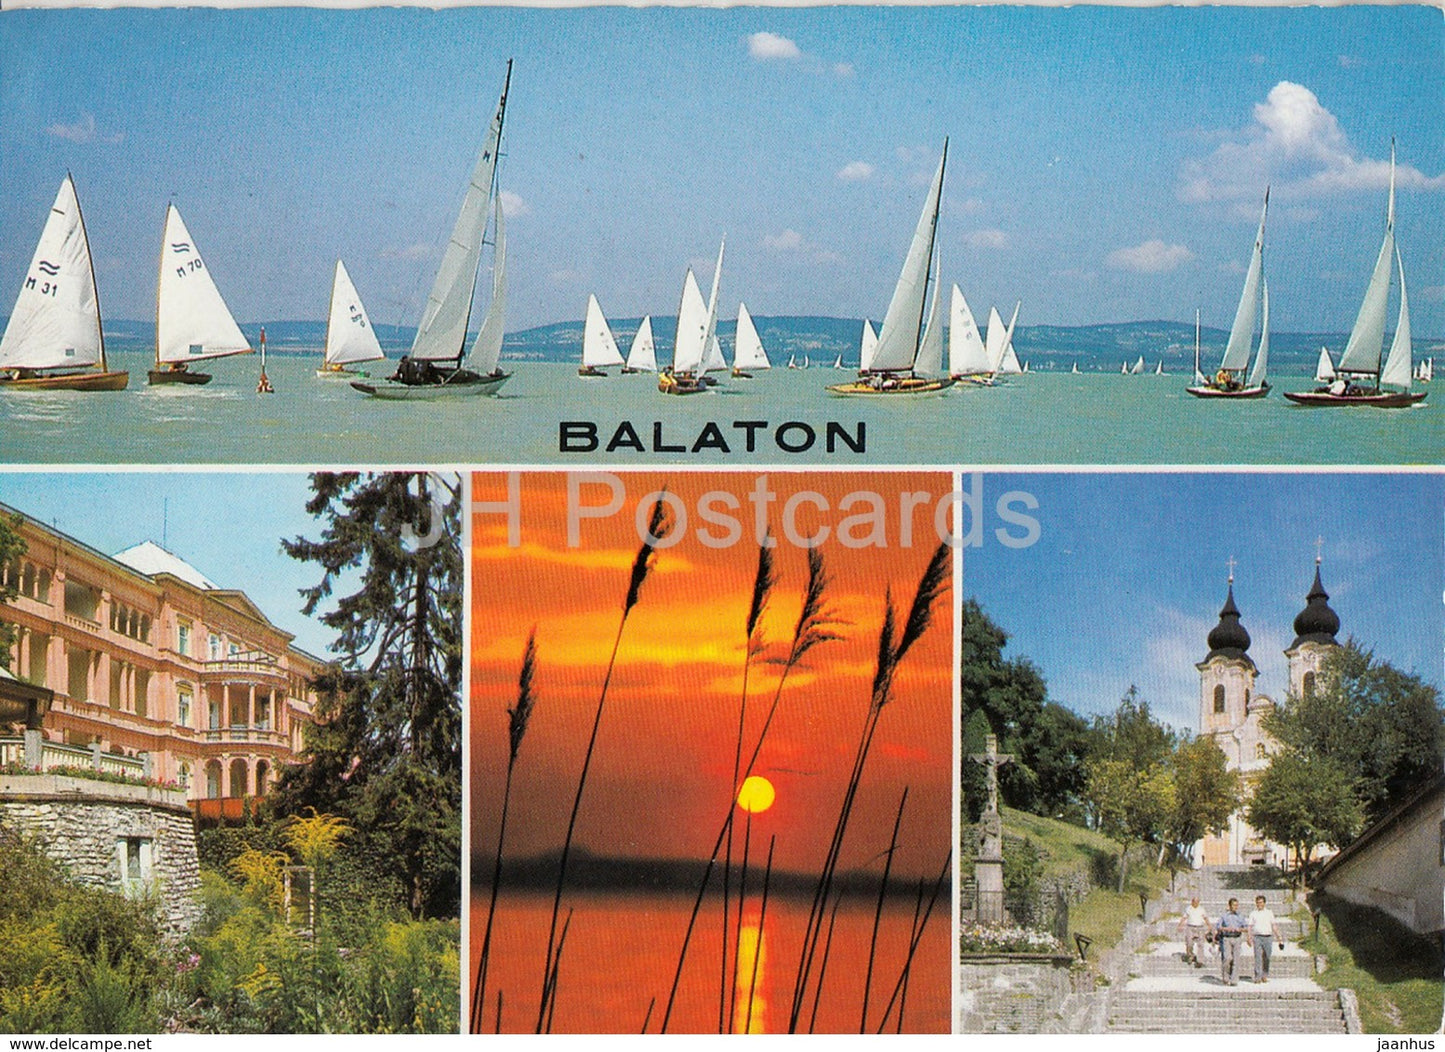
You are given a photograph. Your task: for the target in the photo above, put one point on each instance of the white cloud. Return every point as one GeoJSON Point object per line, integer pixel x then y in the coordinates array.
{"type": "Point", "coordinates": [1152, 257]}
{"type": "Point", "coordinates": [794, 245]}
{"type": "Point", "coordinates": [566, 276]}
{"type": "Point", "coordinates": [986, 239]}
{"type": "Point", "coordinates": [765, 46]}
{"type": "Point", "coordinates": [83, 130]}
{"type": "Point", "coordinates": [513, 205]}
{"type": "Point", "coordinates": [855, 172]}
{"type": "Point", "coordinates": [411, 253]}
{"type": "Point", "coordinates": [843, 69]}
{"type": "Point", "coordinates": [1351, 62]}
{"type": "Point", "coordinates": [1297, 145]}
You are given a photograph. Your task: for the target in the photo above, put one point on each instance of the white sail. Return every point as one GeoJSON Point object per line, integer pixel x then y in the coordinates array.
{"type": "Point", "coordinates": [712, 355]}
{"type": "Point", "coordinates": [867, 347]}
{"type": "Point", "coordinates": [1367, 338]}
{"type": "Point", "coordinates": [487, 351]}
{"type": "Point", "coordinates": [1324, 369]}
{"type": "Point", "coordinates": [967, 355]}
{"type": "Point", "coordinates": [1260, 372]}
{"type": "Point", "coordinates": [1397, 365]}
{"type": "Point", "coordinates": [349, 336]}
{"type": "Point", "coordinates": [994, 340]}
{"type": "Point", "coordinates": [1198, 376]}
{"type": "Point", "coordinates": [1075, 369]}
{"type": "Point", "coordinates": [1138, 367]}
{"type": "Point", "coordinates": [642, 355]}
{"type": "Point", "coordinates": [598, 346]}
{"type": "Point", "coordinates": [930, 349]}
{"type": "Point", "coordinates": [192, 321]}
{"type": "Point", "coordinates": [1009, 359]}
{"type": "Point", "coordinates": [691, 343]}
{"type": "Point", "coordinates": [56, 320]}
{"type": "Point", "coordinates": [748, 352]}
{"type": "Point", "coordinates": [903, 324]}
{"type": "Point", "coordinates": [1241, 333]}
{"type": "Point", "coordinates": [442, 333]}
{"type": "Point", "coordinates": [1159, 369]}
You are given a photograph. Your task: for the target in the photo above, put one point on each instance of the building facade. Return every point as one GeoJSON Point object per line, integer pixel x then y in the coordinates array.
{"type": "Point", "coordinates": [149, 660]}
{"type": "Point", "coordinates": [1231, 710]}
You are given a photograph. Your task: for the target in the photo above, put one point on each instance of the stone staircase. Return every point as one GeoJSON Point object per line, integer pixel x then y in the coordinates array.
{"type": "Point", "coordinates": [1163, 994]}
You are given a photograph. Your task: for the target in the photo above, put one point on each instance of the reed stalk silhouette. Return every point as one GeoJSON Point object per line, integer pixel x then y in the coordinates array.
{"type": "Point", "coordinates": [878, 915]}
{"type": "Point", "coordinates": [762, 927]}
{"type": "Point", "coordinates": [658, 528]}
{"type": "Point", "coordinates": [891, 652]}
{"type": "Point", "coordinates": [908, 966]}
{"type": "Point", "coordinates": [827, 951]}
{"type": "Point", "coordinates": [913, 942]}
{"type": "Point", "coordinates": [517, 720]}
{"type": "Point", "coordinates": [763, 581]}
{"type": "Point", "coordinates": [814, 626]}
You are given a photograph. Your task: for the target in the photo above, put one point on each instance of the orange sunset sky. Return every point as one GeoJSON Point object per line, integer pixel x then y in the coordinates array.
{"type": "Point", "coordinates": [661, 776]}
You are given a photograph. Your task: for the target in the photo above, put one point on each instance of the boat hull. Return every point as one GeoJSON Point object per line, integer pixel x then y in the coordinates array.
{"type": "Point", "coordinates": [1206, 391]}
{"type": "Point", "coordinates": [88, 381]}
{"type": "Point", "coordinates": [395, 391]}
{"type": "Point", "coordinates": [590, 371]}
{"type": "Point", "coordinates": [890, 388]}
{"type": "Point", "coordinates": [668, 383]}
{"type": "Point", "coordinates": [1380, 400]}
{"type": "Point", "coordinates": [177, 376]}
{"type": "Point", "coordinates": [342, 374]}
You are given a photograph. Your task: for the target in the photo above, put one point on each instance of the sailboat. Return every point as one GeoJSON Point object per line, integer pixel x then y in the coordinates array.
{"type": "Point", "coordinates": [599, 349]}
{"type": "Point", "coordinates": [1075, 369]}
{"type": "Point", "coordinates": [1426, 372]}
{"type": "Point", "coordinates": [867, 345]}
{"type": "Point", "coordinates": [1198, 376]}
{"type": "Point", "coordinates": [350, 339]}
{"type": "Point", "coordinates": [1361, 360]}
{"type": "Point", "coordinates": [53, 340]}
{"type": "Point", "coordinates": [696, 333]}
{"type": "Point", "coordinates": [891, 370]}
{"type": "Point", "coordinates": [1325, 367]}
{"type": "Point", "coordinates": [1159, 368]}
{"type": "Point", "coordinates": [434, 367]}
{"type": "Point", "coordinates": [642, 355]}
{"type": "Point", "coordinates": [193, 323]}
{"type": "Point", "coordinates": [1008, 359]}
{"type": "Point", "coordinates": [1138, 366]}
{"type": "Point", "coordinates": [1229, 381]}
{"type": "Point", "coordinates": [838, 362]}
{"type": "Point", "coordinates": [748, 352]}
{"type": "Point", "coordinates": [967, 355]}
{"type": "Point", "coordinates": [792, 361]}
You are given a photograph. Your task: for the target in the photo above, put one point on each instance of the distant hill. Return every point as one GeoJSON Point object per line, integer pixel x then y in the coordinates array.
{"type": "Point", "coordinates": [823, 339]}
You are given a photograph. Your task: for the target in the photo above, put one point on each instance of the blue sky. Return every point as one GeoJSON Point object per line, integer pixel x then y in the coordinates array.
{"type": "Point", "coordinates": [1105, 164]}
{"type": "Point", "coordinates": [1130, 572]}
{"type": "Point", "coordinates": [226, 525]}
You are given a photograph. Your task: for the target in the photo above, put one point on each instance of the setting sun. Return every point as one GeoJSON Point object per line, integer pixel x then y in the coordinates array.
{"type": "Point", "coordinates": [756, 794]}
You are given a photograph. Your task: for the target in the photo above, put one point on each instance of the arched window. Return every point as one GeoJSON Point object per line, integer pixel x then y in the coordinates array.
{"type": "Point", "coordinates": [1309, 684]}
{"type": "Point", "coordinates": [238, 778]}
{"type": "Point", "coordinates": [263, 772]}
{"type": "Point", "coordinates": [1219, 698]}
{"type": "Point", "coordinates": [213, 780]}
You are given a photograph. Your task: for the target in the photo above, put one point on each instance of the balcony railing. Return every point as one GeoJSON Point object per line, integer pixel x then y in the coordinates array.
{"type": "Point", "coordinates": [236, 734]}
{"type": "Point", "coordinates": [57, 754]}
{"type": "Point", "coordinates": [244, 667]}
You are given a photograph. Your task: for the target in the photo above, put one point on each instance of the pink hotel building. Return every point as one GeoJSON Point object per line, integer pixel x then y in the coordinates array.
{"type": "Point", "coordinates": [155, 670]}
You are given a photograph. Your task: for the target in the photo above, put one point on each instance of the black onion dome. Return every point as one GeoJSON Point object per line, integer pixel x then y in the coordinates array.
{"type": "Point", "coordinates": [1316, 623]}
{"type": "Point", "coordinates": [1228, 638]}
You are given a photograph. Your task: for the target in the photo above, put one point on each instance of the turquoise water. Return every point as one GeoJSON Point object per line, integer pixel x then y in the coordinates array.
{"type": "Point", "coordinates": [1039, 418]}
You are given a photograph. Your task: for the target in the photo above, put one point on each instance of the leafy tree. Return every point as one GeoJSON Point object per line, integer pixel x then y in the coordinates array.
{"type": "Point", "coordinates": [12, 547]}
{"type": "Point", "coordinates": [1127, 778]}
{"type": "Point", "coordinates": [385, 752]}
{"type": "Point", "coordinates": [1304, 801]}
{"type": "Point", "coordinates": [1046, 740]}
{"type": "Point", "coordinates": [1383, 727]}
{"type": "Point", "coordinates": [1206, 794]}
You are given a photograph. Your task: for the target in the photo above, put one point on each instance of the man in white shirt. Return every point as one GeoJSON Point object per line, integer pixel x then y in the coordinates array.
{"type": "Point", "coordinates": [1262, 935]}
{"type": "Point", "coordinates": [1194, 924]}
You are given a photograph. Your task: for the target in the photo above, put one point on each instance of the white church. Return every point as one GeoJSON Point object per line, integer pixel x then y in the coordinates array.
{"type": "Point", "coordinates": [1230, 710]}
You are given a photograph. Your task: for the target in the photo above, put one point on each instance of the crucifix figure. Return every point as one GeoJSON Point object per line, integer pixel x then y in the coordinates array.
{"type": "Point", "coordinates": [988, 864]}
{"type": "Point", "coordinates": [992, 760]}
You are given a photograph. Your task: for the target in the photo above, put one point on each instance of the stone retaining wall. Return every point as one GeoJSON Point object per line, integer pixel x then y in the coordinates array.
{"type": "Point", "coordinates": [84, 825]}
{"type": "Point", "coordinates": [1013, 993]}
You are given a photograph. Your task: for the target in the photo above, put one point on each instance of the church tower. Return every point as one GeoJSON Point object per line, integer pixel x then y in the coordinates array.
{"type": "Point", "coordinates": [1226, 676]}
{"type": "Point", "coordinates": [1314, 629]}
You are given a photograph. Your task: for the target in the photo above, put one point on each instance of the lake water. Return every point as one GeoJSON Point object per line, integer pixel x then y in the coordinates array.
{"type": "Point", "coordinates": [622, 949]}
{"type": "Point", "coordinates": [1039, 418]}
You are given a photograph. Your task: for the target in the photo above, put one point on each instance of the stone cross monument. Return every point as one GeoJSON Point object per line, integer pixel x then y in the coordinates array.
{"type": "Point", "coordinates": [988, 864]}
